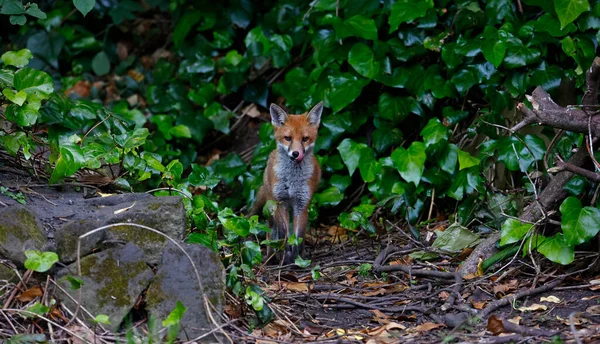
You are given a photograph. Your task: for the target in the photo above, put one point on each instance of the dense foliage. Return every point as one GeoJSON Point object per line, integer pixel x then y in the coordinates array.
{"type": "Point", "coordinates": [417, 94]}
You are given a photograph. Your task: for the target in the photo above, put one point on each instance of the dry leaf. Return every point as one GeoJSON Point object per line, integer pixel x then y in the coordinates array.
{"type": "Point", "coordinates": [587, 298]}
{"type": "Point", "coordinates": [427, 327]}
{"type": "Point", "coordinates": [595, 309]}
{"type": "Point", "coordinates": [82, 332]}
{"type": "Point", "coordinates": [251, 111]}
{"type": "Point", "coordinates": [375, 292]}
{"type": "Point", "coordinates": [516, 320]}
{"type": "Point", "coordinates": [550, 298]}
{"type": "Point", "coordinates": [135, 75]}
{"type": "Point", "coordinates": [82, 88]}
{"type": "Point", "coordinates": [577, 320]}
{"type": "Point", "coordinates": [533, 307]}
{"type": "Point", "coordinates": [478, 304]}
{"type": "Point", "coordinates": [30, 294]}
{"type": "Point", "coordinates": [503, 288]}
{"type": "Point", "coordinates": [495, 325]}
{"type": "Point", "coordinates": [380, 317]}
{"type": "Point", "coordinates": [470, 276]}
{"type": "Point", "coordinates": [296, 286]}
{"type": "Point", "coordinates": [382, 331]}
{"type": "Point", "coordinates": [444, 295]}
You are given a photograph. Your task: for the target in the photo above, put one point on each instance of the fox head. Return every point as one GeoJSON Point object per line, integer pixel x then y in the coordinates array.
{"type": "Point", "coordinates": [296, 134]}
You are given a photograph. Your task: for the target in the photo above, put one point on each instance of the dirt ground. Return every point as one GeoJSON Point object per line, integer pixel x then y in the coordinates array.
{"type": "Point", "coordinates": [350, 303]}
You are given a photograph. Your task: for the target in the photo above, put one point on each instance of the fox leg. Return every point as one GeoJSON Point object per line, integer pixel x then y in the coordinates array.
{"type": "Point", "coordinates": [300, 224]}
{"type": "Point", "coordinates": [279, 224]}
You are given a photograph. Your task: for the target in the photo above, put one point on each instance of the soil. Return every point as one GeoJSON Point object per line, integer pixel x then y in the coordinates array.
{"type": "Point", "coordinates": [349, 303]}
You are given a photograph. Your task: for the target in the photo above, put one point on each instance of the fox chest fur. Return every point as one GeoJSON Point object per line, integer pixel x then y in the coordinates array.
{"type": "Point", "coordinates": [293, 181]}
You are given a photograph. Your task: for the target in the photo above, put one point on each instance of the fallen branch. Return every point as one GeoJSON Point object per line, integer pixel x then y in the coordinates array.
{"type": "Point", "coordinates": [512, 298]}
{"type": "Point", "coordinates": [378, 267]}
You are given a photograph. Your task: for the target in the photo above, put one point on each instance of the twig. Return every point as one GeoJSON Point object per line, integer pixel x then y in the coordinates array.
{"type": "Point", "coordinates": [512, 298]}
{"type": "Point", "coordinates": [565, 166]}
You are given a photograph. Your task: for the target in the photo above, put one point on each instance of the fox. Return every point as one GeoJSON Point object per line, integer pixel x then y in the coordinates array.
{"type": "Point", "coordinates": [292, 175]}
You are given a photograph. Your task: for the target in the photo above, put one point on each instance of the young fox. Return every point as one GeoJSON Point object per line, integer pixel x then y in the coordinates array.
{"type": "Point", "coordinates": [292, 174]}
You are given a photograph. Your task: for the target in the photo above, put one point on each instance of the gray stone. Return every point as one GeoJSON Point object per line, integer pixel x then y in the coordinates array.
{"type": "Point", "coordinates": [176, 281]}
{"type": "Point", "coordinates": [165, 214]}
{"type": "Point", "coordinates": [112, 282]}
{"type": "Point", "coordinates": [7, 274]}
{"type": "Point", "coordinates": [20, 230]}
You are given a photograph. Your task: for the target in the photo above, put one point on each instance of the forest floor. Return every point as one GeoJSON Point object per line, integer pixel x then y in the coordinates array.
{"type": "Point", "coordinates": [350, 303]}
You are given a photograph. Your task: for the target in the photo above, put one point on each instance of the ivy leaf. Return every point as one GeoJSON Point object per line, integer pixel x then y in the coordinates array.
{"type": "Point", "coordinates": [15, 97]}
{"type": "Point", "coordinates": [344, 89]}
{"type": "Point", "coordinates": [434, 132]}
{"type": "Point", "coordinates": [362, 59]}
{"type": "Point", "coordinates": [102, 319]}
{"type": "Point", "coordinates": [513, 231]}
{"type": "Point", "coordinates": [578, 224]}
{"type": "Point", "coordinates": [331, 196]}
{"type": "Point", "coordinates": [410, 162]}
{"type": "Point", "coordinates": [34, 82]}
{"type": "Point", "coordinates": [395, 109]}
{"type": "Point", "coordinates": [201, 176]}
{"type": "Point", "coordinates": [404, 11]}
{"type": "Point", "coordinates": [84, 6]}
{"type": "Point", "coordinates": [40, 261]}
{"type": "Point", "coordinates": [175, 316]}
{"type": "Point", "coordinates": [14, 7]}
{"type": "Point", "coordinates": [568, 10]}
{"type": "Point", "coordinates": [350, 151]}
{"type": "Point", "coordinates": [69, 161]}
{"type": "Point", "coordinates": [384, 138]}
{"type": "Point", "coordinates": [18, 59]}
{"type": "Point", "coordinates": [34, 11]}
{"type": "Point", "coordinates": [362, 26]}
{"type": "Point", "coordinates": [466, 160]}
{"type": "Point", "coordinates": [449, 157]}
{"type": "Point", "coordinates": [101, 64]}
{"type": "Point", "coordinates": [556, 249]}
{"type": "Point", "coordinates": [237, 224]}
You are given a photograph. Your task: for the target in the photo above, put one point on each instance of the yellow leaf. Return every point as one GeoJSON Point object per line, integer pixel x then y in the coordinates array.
{"type": "Point", "coordinates": [533, 307]}
{"type": "Point", "coordinates": [550, 298]}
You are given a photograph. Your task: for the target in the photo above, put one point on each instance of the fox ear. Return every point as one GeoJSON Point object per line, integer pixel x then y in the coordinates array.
{"type": "Point", "coordinates": [314, 115]}
{"type": "Point", "coordinates": [278, 115]}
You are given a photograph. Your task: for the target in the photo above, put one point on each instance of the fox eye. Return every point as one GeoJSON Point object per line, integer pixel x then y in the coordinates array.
{"type": "Point", "coordinates": [288, 138]}
{"type": "Point", "coordinates": [305, 138]}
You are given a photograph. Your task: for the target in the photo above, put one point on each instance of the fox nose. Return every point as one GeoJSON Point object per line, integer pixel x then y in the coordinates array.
{"type": "Point", "coordinates": [295, 154]}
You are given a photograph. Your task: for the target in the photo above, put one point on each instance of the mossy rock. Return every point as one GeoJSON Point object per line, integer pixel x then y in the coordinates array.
{"type": "Point", "coordinates": [20, 230]}
{"type": "Point", "coordinates": [165, 214]}
{"type": "Point", "coordinates": [176, 281]}
{"type": "Point", "coordinates": [113, 280]}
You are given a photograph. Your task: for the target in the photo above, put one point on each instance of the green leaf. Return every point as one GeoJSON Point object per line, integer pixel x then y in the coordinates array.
{"type": "Point", "coordinates": [303, 263]}
{"type": "Point", "coordinates": [384, 138]}
{"type": "Point", "coordinates": [175, 316]}
{"type": "Point", "coordinates": [102, 319]}
{"type": "Point", "coordinates": [410, 162]}
{"type": "Point", "coordinates": [404, 11]}
{"type": "Point", "coordinates": [331, 196]}
{"type": "Point", "coordinates": [69, 161]}
{"type": "Point", "coordinates": [434, 132]}
{"type": "Point", "coordinates": [447, 161]}
{"type": "Point", "coordinates": [135, 138]}
{"type": "Point", "coordinates": [37, 84]}
{"type": "Point", "coordinates": [34, 11]}
{"type": "Point", "coordinates": [395, 109]}
{"type": "Point", "coordinates": [238, 225]}
{"type": "Point", "coordinates": [557, 250]}
{"type": "Point", "coordinates": [101, 64]}
{"type": "Point", "coordinates": [76, 282]}
{"type": "Point", "coordinates": [362, 59]}
{"type": "Point", "coordinates": [181, 131]}
{"type": "Point", "coordinates": [466, 160]}
{"type": "Point", "coordinates": [84, 6]}
{"type": "Point", "coordinates": [344, 89]}
{"type": "Point", "coordinates": [351, 153]}
{"type": "Point", "coordinates": [184, 25]}
{"type": "Point", "coordinates": [568, 10]}
{"type": "Point", "coordinates": [513, 231]}
{"type": "Point", "coordinates": [362, 27]}
{"type": "Point", "coordinates": [18, 59]}
{"type": "Point", "coordinates": [12, 7]}
{"type": "Point", "coordinates": [201, 176]}
{"type": "Point", "coordinates": [251, 254]}
{"type": "Point", "coordinates": [579, 224]}
{"type": "Point", "coordinates": [38, 309]}
{"type": "Point", "coordinates": [455, 238]}
{"type": "Point", "coordinates": [15, 97]}
{"type": "Point", "coordinates": [40, 261]}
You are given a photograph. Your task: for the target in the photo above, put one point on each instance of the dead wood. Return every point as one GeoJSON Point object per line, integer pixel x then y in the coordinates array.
{"type": "Point", "coordinates": [546, 112]}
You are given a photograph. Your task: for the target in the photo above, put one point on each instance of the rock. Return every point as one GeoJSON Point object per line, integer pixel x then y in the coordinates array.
{"type": "Point", "coordinates": [176, 281]}
{"type": "Point", "coordinates": [20, 230]}
{"type": "Point", "coordinates": [113, 280]}
{"type": "Point", "coordinates": [165, 214]}
{"type": "Point", "coordinates": [7, 274]}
